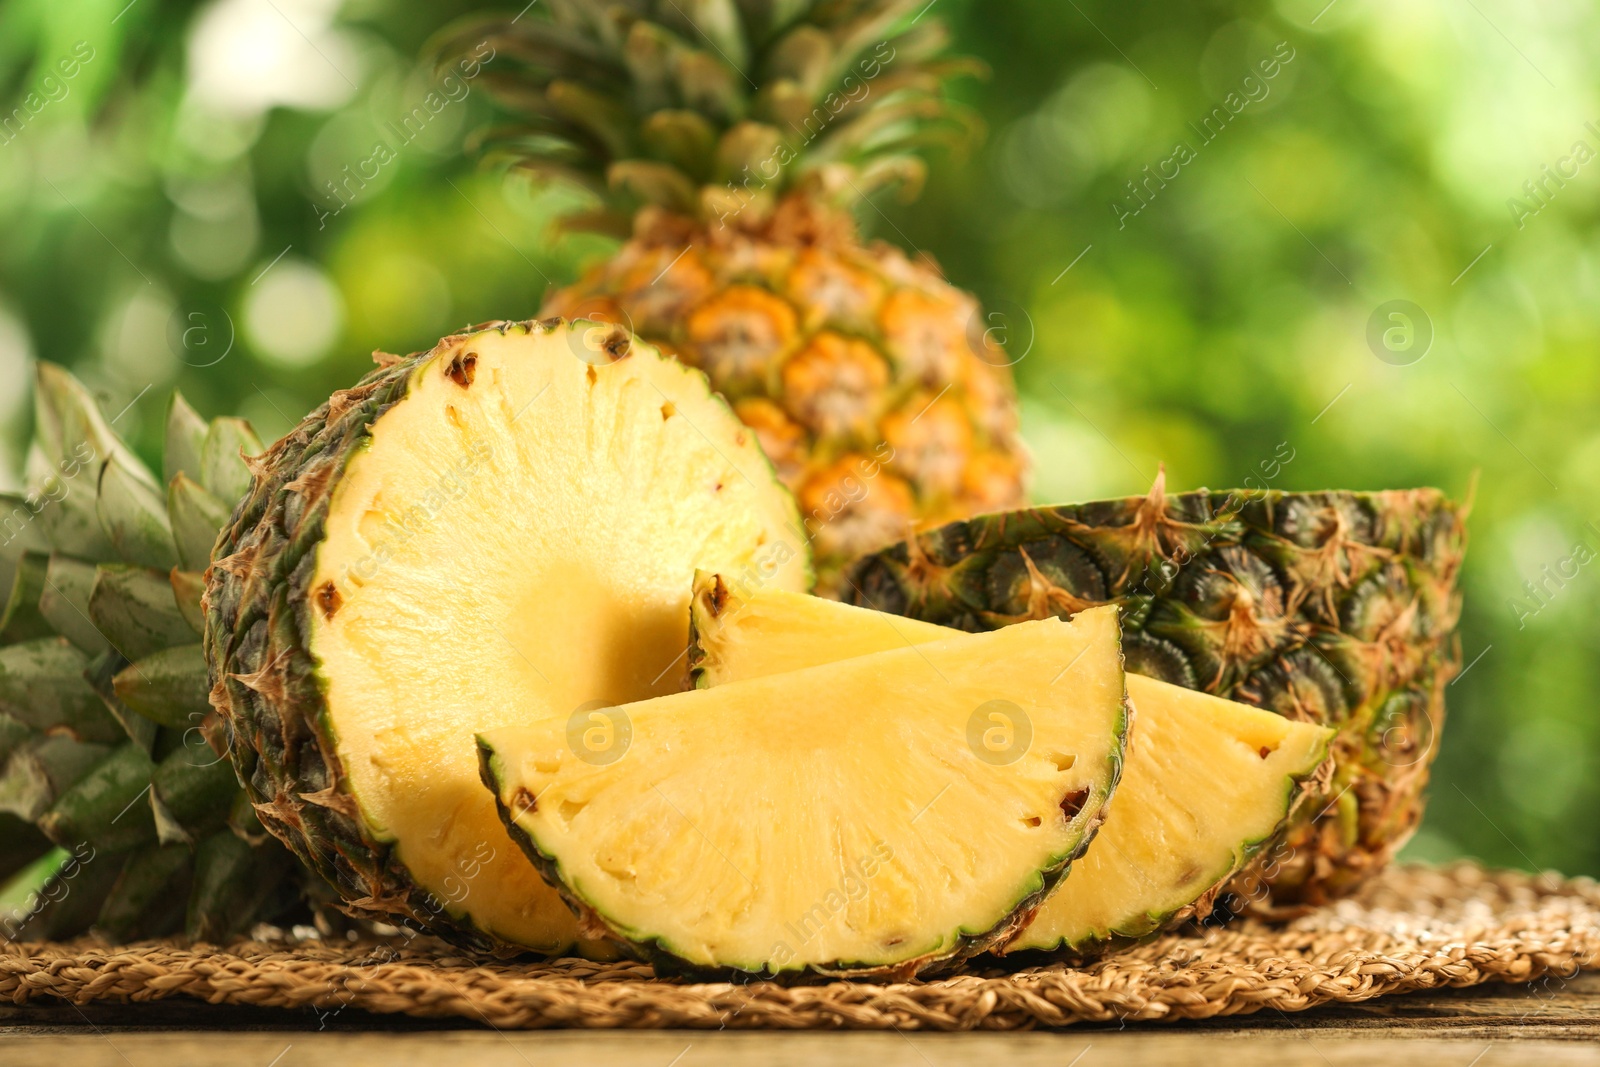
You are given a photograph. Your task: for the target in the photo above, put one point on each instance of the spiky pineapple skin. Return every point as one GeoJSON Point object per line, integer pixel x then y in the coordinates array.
{"type": "Point", "coordinates": [1337, 608]}
{"type": "Point", "coordinates": [876, 387]}
{"type": "Point", "coordinates": [264, 683]}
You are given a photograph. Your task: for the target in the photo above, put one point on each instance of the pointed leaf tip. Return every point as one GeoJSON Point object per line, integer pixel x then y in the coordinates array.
{"type": "Point", "coordinates": [134, 517]}
{"type": "Point", "coordinates": [185, 438]}
{"type": "Point", "coordinates": [223, 471]}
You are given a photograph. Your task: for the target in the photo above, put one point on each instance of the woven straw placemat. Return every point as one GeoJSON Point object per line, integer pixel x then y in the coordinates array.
{"type": "Point", "coordinates": [1413, 928]}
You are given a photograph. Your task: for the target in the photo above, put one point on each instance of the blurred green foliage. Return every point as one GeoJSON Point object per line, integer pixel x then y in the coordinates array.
{"type": "Point", "coordinates": [206, 181]}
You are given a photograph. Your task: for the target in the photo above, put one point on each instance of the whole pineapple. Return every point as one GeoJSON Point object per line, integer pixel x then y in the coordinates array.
{"type": "Point", "coordinates": [1335, 608]}
{"type": "Point", "coordinates": [730, 141]}
{"type": "Point", "coordinates": [113, 804]}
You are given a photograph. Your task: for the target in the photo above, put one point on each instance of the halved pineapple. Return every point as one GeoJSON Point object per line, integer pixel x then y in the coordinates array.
{"type": "Point", "coordinates": [495, 532]}
{"type": "Point", "coordinates": [1208, 781]}
{"type": "Point", "coordinates": [873, 815]}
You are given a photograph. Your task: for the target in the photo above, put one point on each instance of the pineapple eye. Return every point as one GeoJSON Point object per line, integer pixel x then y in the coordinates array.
{"type": "Point", "coordinates": [618, 345]}
{"type": "Point", "coordinates": [1073, 803]}
{"type": "Point", "coordinates": [329, 600]}
{"type": "Point", "coordinates": [463, 369]}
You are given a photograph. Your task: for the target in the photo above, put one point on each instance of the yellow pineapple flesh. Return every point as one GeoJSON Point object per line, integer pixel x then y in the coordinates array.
{"type": "Point", "coordinates": [845, 818]}
{"type": "Point", "coordinates": [1207, 789]}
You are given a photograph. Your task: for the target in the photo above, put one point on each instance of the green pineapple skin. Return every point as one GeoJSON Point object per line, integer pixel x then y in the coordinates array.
{"type": "Point", "coordinates": [1337, 608]}
{"type": "Point", "coordinates": [131, 799]}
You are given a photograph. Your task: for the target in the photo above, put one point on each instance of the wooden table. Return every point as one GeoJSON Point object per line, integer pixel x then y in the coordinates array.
{"type": "Point", "coordinates": [1546, 1025]}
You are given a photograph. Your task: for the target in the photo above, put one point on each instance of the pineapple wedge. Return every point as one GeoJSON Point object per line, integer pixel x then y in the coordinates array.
{"type": "Point", "coordinates": [871, 816]}
{"type": "Point", "coordinates": [1209, 782]}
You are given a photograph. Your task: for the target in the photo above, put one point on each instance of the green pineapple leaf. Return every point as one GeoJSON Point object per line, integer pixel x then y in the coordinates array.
{"type": "Point", "coordinates": [222, 469]}
{"type": "Point", "coordinates": [42, 686]}
{"type": "Point", "coordinates": [103, 808]}
{"type": "Point", "coordinates": [134, 516]}
{"type": "Point", "coordinates": [145, 885]}
{"type": "Point", "coordinates": [65, 603]}
{"type": "Point", "coordinates": [34, 779]}
{"type": "Point", "coordinates": [101, 676]}
{"type": "Point", "coordinates": [21, 620]}
{"type": "Point", "coordinates": [192, 789]}
{"type": "Point", "coordinates": [196, 517]}
{"type": "Point", "coordinates": [168, 687]}
{"type": "Point", "coordinates": [135, 609]}
{"type": "Point", "coordinates": [185, 439]}
{"type": "Point", "coordinates": [187, 589]}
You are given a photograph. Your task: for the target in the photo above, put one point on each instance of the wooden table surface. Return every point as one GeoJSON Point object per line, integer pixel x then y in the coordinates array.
{"type": "Point", "coordinates": [1551, 1025]}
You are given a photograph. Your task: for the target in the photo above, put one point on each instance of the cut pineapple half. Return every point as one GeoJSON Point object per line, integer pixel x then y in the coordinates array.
{"type": "Point", "coordinates": [1208, 781]}
{"type": "Point", "coordinates": [875, 815]}
{"type": "Point", "coordinates": [493, 533]}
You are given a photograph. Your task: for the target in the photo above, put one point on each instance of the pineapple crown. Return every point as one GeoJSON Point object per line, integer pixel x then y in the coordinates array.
{"type": "Point", "coordinates": [97, 552]}
{"type": "Point", "coordinates": [714, 109]}
{"type": "Point", "coordinates": [106, 729]}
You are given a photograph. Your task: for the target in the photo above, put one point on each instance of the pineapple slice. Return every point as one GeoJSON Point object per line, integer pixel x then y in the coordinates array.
{"type": "Point", "coordinates": [496, 532]}
{"type": "Point", "coordinates": [1208, 781]}
{"type": "Point", "coordinates": [875, 815]}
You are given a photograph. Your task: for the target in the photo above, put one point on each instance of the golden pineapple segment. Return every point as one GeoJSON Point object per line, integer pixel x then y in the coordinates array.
{"type": "Point", "coordinates": [853, 817]}
{"type": "Point", "coordinates": [1208, 781]}
{"type": "Point", "coordinates": [870, 381]}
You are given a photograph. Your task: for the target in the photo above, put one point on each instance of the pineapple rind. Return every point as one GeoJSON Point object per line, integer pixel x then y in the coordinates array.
{"type": "Point", "coordinates": [1335, 607]}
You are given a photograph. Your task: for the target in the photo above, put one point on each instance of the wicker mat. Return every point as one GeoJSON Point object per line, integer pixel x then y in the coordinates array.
{"type": "Point", "coordinates": [1415, 928]}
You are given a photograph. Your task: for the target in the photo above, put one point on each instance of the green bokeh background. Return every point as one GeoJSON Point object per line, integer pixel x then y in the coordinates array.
{"type": "Point", "coordinates": [169, 204]}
